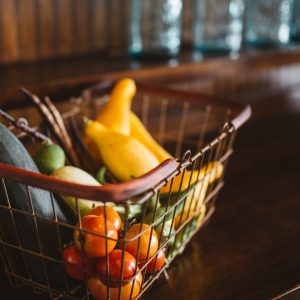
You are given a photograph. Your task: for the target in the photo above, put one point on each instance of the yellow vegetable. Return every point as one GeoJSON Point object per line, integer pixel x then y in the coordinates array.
{"type": "Point", "coordinates": [115, 115]}
{"type": "Point", "coordinates": [211, 172]}
{"type": "Point", "coordinates": [124, 156]}
{"type": "Point", "coordinates": [138, 131]}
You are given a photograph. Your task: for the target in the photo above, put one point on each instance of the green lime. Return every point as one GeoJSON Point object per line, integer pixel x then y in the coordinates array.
{"type": "Point", "coordinates": [49, 158]}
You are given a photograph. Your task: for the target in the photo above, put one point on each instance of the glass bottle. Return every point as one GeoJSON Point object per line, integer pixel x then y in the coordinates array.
{"type": "Point", "coordinates": [268, 22]}
{"type": "Point", "coordinates": [218, 25]}
{"type": "Point", "coordinates": [295, 27]}
{"type": "Point", "coordinates": [155, 27]}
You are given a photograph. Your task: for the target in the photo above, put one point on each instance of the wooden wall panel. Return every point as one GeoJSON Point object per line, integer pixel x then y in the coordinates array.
{"type": "Point", "coordinates": [99, 24]}
{"type": "Point", "coordinates": [46, 28]}
{"type": "Point", "coordinates": [26, 27]}
{"type": "Point", "coordinates": [80, 28]}
{"type": "Point", "coordinates": [8, 31]}
{"type": "Point", "coordinates": [32, 30]}
{"type": "Point", "coordinates": [64, 33]}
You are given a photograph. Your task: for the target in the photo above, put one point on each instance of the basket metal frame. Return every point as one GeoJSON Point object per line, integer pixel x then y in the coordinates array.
{"type": "Point", "coordinates": [138, 191]}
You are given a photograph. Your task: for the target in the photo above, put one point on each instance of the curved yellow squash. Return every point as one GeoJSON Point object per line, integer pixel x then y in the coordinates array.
{"type": "Point", "coordinates": [124, 156]}
{"type": "Point", "coordinates": [115, 114]}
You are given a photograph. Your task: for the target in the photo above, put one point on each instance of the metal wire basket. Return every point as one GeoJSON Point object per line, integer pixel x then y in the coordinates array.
{"type": "Point", "coordinates": [174, 200]}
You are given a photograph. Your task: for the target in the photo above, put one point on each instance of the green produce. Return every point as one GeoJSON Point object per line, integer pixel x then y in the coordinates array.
{"type": "Point", "coordinates": [76, 175]}
{"type": "Point", "coordinates": [100, 176]}
{"type": "Point", "coordinates": [12, 152]}
{"type": "Point", "coordinates": [49, 157]}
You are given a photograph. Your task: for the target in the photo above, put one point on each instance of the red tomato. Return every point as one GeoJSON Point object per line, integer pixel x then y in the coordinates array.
{"type": "Point", "coordinates": [147, 240]}
{"type": "Point", "coordinates": [115, 265]}
{"type": "Point", "coordinates": [156, 262]}
{"type": "Point", "coordinates": [99, 290]}
{"type": "Point", "coordinates": [95, 246]}
{"type": "Point", "coordinates": [73, 258]}
{"type": "Point", "coordinates": [111, 215]}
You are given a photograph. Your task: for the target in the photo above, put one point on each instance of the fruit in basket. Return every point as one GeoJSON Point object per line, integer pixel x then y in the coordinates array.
{"type": "Point", "coordinates": [49, 157]}
{"type": "Point", "coordinates": [156, 262]}
{"type": "Point", "coordinates": [128, 291]}
{"type": "Point", "coordinates": [166, 233]}
{"type": "Point", "coordinates": [76, 175]}
{"type": "Point", "coordinates": [124, 156]}
{"type": "Point", "coordinates": [98, 238]}
{"type": "Point", "coordinates": [139, 131]}
{"type": "Point", "coordinates": [76, 267]}
{"type": "Point", "coordinates": [211, 172]}
{"type": "Point", "coordinates": [115, 259]}
{"type": "Point", "coordinates": [109, 213]}
{"type": "Point", "coordinates": [13, 153]}
{"type": "Point", "coordinates": [115, 114]}
{"type": "Point", "coordinates": [207, 176]}
{"type": "Point", "coordinates": [141, 241]}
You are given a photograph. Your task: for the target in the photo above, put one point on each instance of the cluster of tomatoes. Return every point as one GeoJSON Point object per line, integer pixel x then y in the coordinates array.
{"type": "Point", "coordinates": [98, 238]}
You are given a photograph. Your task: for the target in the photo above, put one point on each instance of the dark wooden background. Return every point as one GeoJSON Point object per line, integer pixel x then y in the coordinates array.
{"type": "Point", "coordinates": [32, 30]}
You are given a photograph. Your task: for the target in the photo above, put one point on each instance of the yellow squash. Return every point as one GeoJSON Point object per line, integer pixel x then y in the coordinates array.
{"type": "Point", "coordinates": [207, 174]}
{"type": "Point", "coordinates": [138, 131]}
{"type": "Point", "coordinates": [115, 114]}
{"type": "Point", "coordinates": [124, 156]}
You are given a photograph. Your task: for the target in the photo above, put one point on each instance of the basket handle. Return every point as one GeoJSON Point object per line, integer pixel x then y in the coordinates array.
{"type": "Point", "coordinates": [106, 193]}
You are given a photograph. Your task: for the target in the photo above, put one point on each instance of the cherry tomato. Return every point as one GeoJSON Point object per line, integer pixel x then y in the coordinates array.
{"type": "Point", "coordinates": [95, 246]}
{"type": "Point", "coordinates": [111, 215]}
{"type": "Point", "coordinates": [147, 240]}
{"type": "Point", "coordinates": [99, 290]}
{"type": "Point", "coordinates": [74, 268]}
{"type": "Point", "coordinates": [115, 265]}
{"type": "Point", "coordinates": [153, 266]}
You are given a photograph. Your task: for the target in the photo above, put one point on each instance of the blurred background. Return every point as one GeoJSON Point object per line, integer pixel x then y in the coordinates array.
{"type": "Point", "coordinates": [35, 30]}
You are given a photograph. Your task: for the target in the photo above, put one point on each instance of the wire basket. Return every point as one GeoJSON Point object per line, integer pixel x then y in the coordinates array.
{"type": "Point", "coordinates": [173, 200]}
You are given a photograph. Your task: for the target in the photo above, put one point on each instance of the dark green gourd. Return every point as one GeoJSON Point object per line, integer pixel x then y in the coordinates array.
{"type": "Point", "coordinates": [26, 231]}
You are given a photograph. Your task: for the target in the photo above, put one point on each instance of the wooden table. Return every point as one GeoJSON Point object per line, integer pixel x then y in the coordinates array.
{"type": "Point", "coordinates": [250, 249]}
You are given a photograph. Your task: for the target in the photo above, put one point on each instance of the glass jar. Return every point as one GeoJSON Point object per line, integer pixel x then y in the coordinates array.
{"type": "Point", "coordinates": [268, 22]}
{"type": "Point", "coordinates": [155, 27]}
{"type": "Point", "coordinates": [218, 25]}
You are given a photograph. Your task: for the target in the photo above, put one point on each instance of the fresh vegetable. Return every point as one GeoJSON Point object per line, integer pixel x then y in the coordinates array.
{"type": "Point", "coordinates": [211, 172]}
{"type": "Point", "coordinates": [156, 262]}
{"type": "Point", "coordinates": [49, 157]}
{"type": "Point", "coordinates": [100, 176]}
{"type": "Point", "coordinates": [196, 197]}
{"type": "Point", "coordinates": [124, 156]}
{"type": "Point", "coordinates": [75, 264]}
{"type": "Point", "coordinates": [139, 246]}
{"type": "Point", "coordinates": [76, 175]}
{"type": "Point", "coordinates": [13, 153]}
{"type": "Point", "coordinates": [139, 131]}
{"type": "Point", "coordinates": [110, 214]}
{"type": "Point", "coordinates": [167, 232]}
{"type": "Point", "coordinates": [115, 115]}
{"type": "Point", "coordinates": [89, 240]}
{"type": "Point", "coordinates": [115, 259]}
{"type": "Point", "coordinates": [128, 291]}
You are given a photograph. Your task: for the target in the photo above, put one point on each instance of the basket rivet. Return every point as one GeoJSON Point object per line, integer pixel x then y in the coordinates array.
{"type": "Point", "coordinates": [186, 156]}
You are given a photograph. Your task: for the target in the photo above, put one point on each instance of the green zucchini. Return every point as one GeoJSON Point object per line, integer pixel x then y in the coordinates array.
{"type": "Point", "coordinates": [23, 232]}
